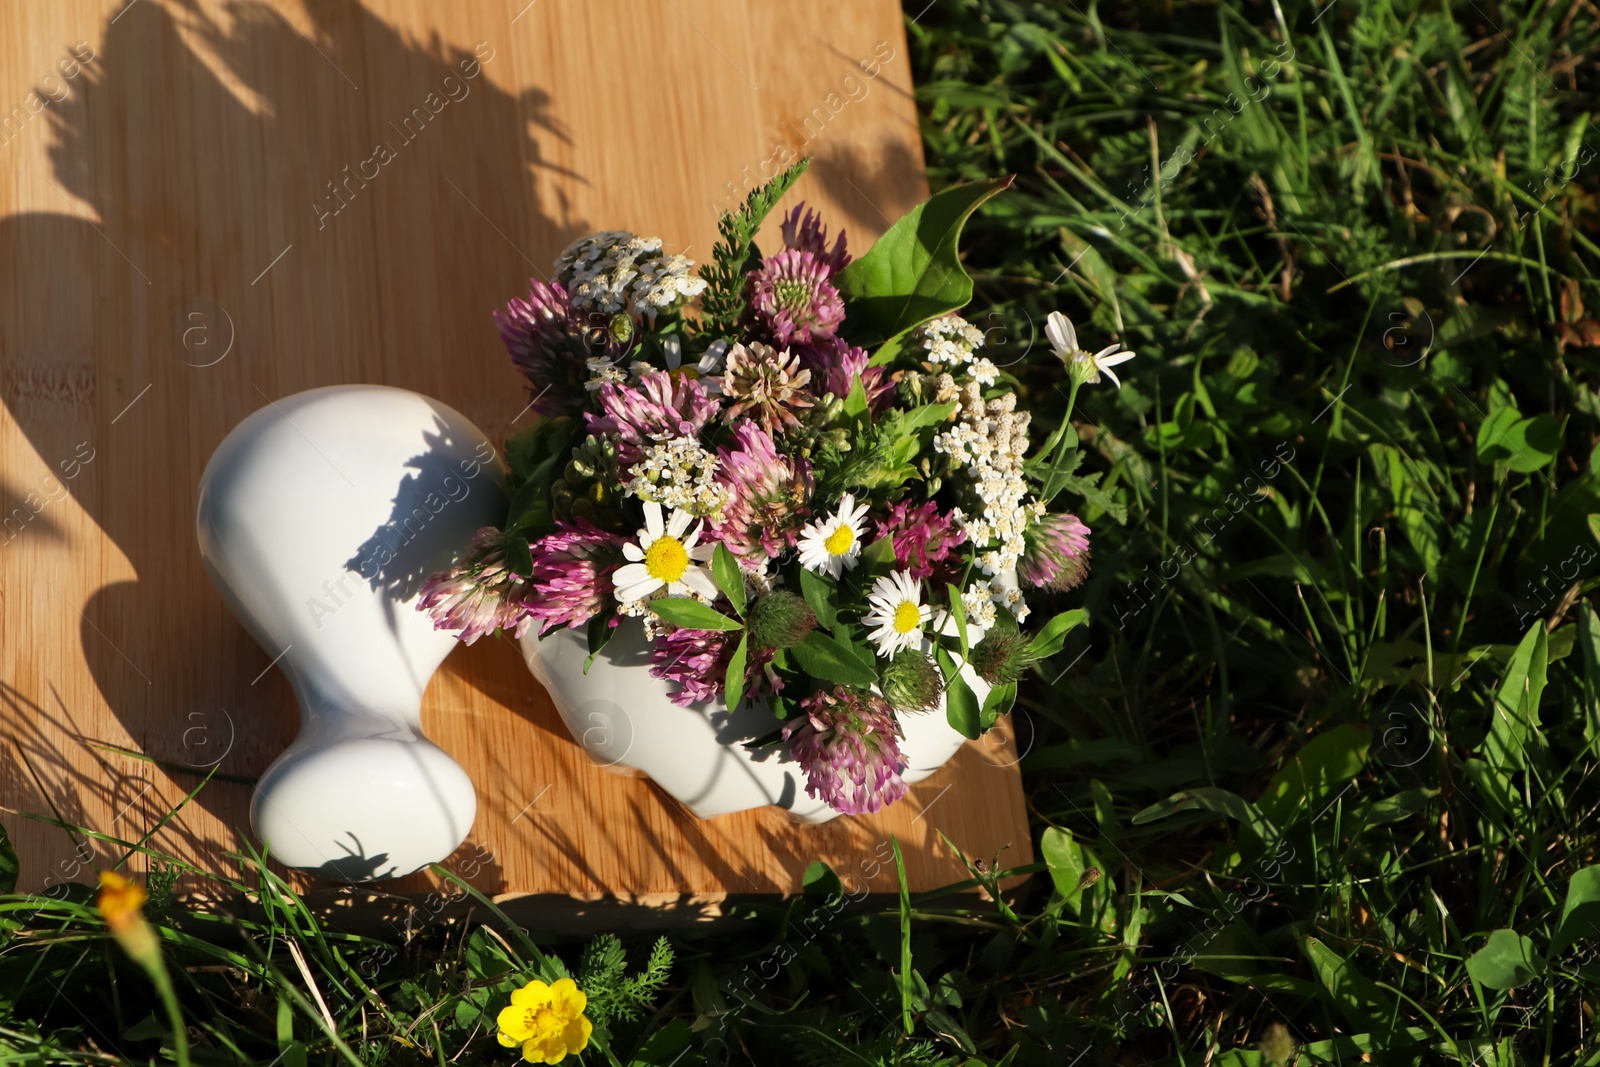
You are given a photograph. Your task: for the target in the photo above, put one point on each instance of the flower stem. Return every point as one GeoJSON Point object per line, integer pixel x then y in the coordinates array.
{"type": "Point", "coordinates": [156, 967]}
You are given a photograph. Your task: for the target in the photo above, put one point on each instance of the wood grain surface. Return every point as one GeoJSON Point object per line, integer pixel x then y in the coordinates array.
{"type": "Point", "coordinates": [205, 206]}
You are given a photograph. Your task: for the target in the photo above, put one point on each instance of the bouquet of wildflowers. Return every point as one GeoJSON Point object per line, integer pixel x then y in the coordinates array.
{"type": "Point", "coordinates": [816, 492]}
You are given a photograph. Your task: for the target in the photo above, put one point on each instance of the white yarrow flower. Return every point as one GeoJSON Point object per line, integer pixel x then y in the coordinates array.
{"type": "Point", "coordinates": [679, 474]}
{"type": "Point", "coordinates": [898, 613]}
{"type": "Point", "coordinates": [1064, 340]}
{"type": "Point", "coordinates": [667, 556]}
{"type": "Point", "coordinates": [834, 545]}
{"type": "Point", "coordinates": [950, 340]}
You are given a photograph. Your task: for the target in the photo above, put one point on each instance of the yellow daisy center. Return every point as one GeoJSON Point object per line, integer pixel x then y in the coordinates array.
{"type": "Point", "coordinates": [839, 542]}
{"type": "Point", "coordinates": [666, 559]}
{"type": "Point", "coordinates": [907, 617]}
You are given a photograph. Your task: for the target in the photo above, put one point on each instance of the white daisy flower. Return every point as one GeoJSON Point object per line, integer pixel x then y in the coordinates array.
{"type": "Point", "coordinates": [1064, 339]}
{"type": "Point", "coordinates": [706, 370]}
{"type": "Point", "coordinates": [898, 612]}
{"type": "Point", "coordinates": [833, 545]}
{"type": "Point", "coordinates": [665, 558]}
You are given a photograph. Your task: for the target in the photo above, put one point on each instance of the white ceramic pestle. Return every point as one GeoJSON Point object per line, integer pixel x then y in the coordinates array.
{"type": "Point", "coordinates": [319, 518]}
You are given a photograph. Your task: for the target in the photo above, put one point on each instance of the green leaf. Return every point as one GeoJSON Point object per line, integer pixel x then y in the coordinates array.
{"type": "Point", "coordinates": [1322, 766]}
{"type": "Point", "coordinates": [8, 864]}
{"type": "Point", "coordinates": [879, 553]}
{"type": "Point", "coordinates": [534, 458]}
{"type": "Point", "coordinates": [735, 253]}
{"type": "Point", "coordinates": [1532, 443]}
{"type": "Point", "coordinates": [1506, 961]}
{"type": "Point", "coordinates": [1589, 642]}
{"type": "Point", "coordinates": [997, 703]}
{"type": "Point", "coordinates": [599, 634]}
{"type": "Point", "coordinates": [1208, 798]}
{"type": "Point", "coordinates": [961, 707]}
{"type": "Point", "coordinates": [1493, 786]}
{"type": "Point", "coordinates": [822, 595]}
{"type": "Point", "coordinates": [1516, 703]}
{"type": "Point", "coordinates": [730, 579]}
{"type": "Point", "coordinates": [734, 680]}
{"type": "Point", "coordinates": [913, 273]}
{"type": "Point", "coordinates": [827, 660]}
{"type": "Point", "coordinates": [904, 977]}
{"type": "Point", "coordinates": [1492, 434]}
{"type": "Point", "coordinates": [1358, 998]}
{"type": "Point", "coordinates": [693, 615]}
{"type": "Point", "coordinates": [820, 882]}
{"type": "Point", "coordinates": [1064, 857]}
{"type": "Point", "coordinates": [1580, 914]}
{"type": "Point", "coordinates": [958, 612]}
{"type": "Point", "coordinates": [855, 402]}
{"type": "Point", "coordinates": [1048, 641]}
{"type": "Point", "coordinates": [518, 558]}
{"type": "Point", "coordinates": [927, 415]}
{"type": "Point", "coordinates": [1523, 445]}
{"type": "Point", "coordinates": [1405, 804]}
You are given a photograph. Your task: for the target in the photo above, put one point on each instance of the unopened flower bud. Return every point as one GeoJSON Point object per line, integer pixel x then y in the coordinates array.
{"type": "Point", "coordinates": [1001, 656]}
{"type": "Point", "coordinates": [780, 620]}
{"type": "Point", "coordinates": [620, 327]}
{"type": "Point", "coordinates": [911, 682]}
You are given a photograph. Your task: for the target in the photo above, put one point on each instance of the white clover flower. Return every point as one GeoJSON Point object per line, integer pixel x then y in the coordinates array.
{"type": "Point", "coordinates": [833, 545]}
{"type": "Point", "coordinates": [1080, 363]}
{"type": "Point", "coordinates": [898, 613]}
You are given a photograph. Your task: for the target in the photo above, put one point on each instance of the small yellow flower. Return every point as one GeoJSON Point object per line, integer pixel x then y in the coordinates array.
{"type": "Point", "coordinates": [546, 1020]}
{"type": "Point", "coordinates": [119, 904]}
{"type": "Point", "coordinates": [120, 901]}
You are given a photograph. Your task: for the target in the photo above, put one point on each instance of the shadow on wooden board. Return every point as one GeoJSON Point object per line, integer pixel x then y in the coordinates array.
{"type": "Point", "coordinates": [202, 134]}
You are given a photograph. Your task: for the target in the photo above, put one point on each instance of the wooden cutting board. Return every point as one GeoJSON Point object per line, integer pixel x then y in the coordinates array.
{"type": "Point", "coordinates": [206, 206]}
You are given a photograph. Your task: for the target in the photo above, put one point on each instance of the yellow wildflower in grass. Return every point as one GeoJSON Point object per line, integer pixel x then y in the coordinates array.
{"type": "Point", "coordinates": [119, 903]}
{"type": "Point", "coordinates": [546, 1020]}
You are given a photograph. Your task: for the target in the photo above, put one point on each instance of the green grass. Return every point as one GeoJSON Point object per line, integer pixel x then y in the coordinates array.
{"type": "Point", "coordinates": [1320, 786]}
